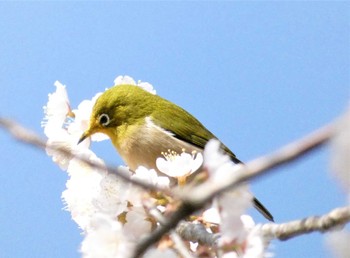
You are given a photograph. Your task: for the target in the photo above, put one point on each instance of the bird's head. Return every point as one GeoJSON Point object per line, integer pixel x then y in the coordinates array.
{"type": "Point", "coordinates": [119, 105]}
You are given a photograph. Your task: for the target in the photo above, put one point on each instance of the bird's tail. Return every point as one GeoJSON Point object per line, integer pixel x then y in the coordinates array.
{"type": "Point", "coordinates": [261, 208]}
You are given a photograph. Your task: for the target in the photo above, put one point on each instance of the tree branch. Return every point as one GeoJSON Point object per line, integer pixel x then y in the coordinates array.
{"type": "Point", "coordinates": [196, 233]}
{"type": "Point", "coordinates": [336, 218]}
{"type": "Point", "coordinates": [24, 135]}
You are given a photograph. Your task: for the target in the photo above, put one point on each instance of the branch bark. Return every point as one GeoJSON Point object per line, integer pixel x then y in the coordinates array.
{"type": "Point", "coordinates": [196, 233]}
{"type": "Point", "coordinates": [24, 135]}
{"type": "Point", "coordinates": [334, 219]}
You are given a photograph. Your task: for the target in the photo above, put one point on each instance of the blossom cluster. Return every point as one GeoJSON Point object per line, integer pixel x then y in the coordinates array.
{"type": "Point", "coordinates": [114, 214]}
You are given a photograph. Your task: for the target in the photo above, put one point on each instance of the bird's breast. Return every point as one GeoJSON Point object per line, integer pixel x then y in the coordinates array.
{"type": "Point", "coordinates": [143, 144]}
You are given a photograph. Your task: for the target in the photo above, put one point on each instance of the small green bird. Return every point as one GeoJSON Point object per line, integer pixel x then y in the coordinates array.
{"type": "Point", "coordinates": [142, 126]}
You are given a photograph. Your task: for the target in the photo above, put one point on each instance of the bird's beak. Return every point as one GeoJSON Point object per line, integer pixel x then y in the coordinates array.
{"type": "Point", "coordinates": [85, 135]}
{"type": "Point", "coordinates": [93, 128]}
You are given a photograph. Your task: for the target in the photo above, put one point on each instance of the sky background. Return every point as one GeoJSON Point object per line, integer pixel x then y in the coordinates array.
{"type": "Point", "coordinates": [257, 74]}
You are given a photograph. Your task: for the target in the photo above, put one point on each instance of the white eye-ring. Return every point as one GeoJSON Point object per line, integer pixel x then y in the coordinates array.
{"type": "Point", "coordinates": [104, 120]}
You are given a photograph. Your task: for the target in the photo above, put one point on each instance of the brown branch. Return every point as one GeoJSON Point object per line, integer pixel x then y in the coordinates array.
{"type": "Point", "coordinates": [24, 135]}
{"type": "Point", "coordinates": [336, 218]}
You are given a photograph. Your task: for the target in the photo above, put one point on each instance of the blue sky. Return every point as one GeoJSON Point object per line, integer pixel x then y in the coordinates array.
{"type": "Point", "coordinates": [257, 74]}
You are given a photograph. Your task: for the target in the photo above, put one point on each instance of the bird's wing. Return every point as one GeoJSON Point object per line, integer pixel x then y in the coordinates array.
{"type": "Point", "coordinates": [187, 128]}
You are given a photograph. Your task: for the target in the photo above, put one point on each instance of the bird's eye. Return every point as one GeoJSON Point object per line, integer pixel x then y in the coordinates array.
{"type": "Point", "coordinates": [104, 120]}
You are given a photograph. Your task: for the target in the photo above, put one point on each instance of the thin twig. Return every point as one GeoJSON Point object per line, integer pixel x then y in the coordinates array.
{"type": "Point", "coordinates": [336, 218]}
{"type": "Point", "coordinates": [24, 135]}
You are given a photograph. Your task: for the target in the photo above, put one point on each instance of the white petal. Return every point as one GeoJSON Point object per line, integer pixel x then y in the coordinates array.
{"type": "Point", "coordinates": [137, 224]}
{"type": "Point", "coordinates": [150, 176]}
{"type": "Point", "coordinates": [122, 80]}
{"type": "Point", "coordinates": [56, 110]}
{"type": "Point", "coordinates": [160, 253]}
{"type": "Point", "coordinates": [147, 87]}
{"type": "Point", "coordinates": [83, 188]}
{"type": "Point", "coordinates": [232, 205]}
{"type": "Point", "coordinates": [212, 215]}
{"type": "Point", "coordinates": [179, 165]}
{"type": "Point", "coordinates": [82, 119]}
{"type": "Point", "coordinates": [213, 156]}
{"type": "Point", "coordinates": [112, 197]}
{"type": "Point", "coordinates": [106, 239]}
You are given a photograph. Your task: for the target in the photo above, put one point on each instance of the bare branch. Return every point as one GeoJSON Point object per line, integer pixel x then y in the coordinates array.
{"type": "Point", "coordinates": [196, 233]}
{"type": "Point", "coordinates": [24, 135]}
{"type": "Point", "coordinates": [336, 218]}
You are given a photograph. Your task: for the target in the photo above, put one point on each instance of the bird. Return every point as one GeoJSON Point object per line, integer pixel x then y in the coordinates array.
{"type": "Point", "coordinates": [142, 126]}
